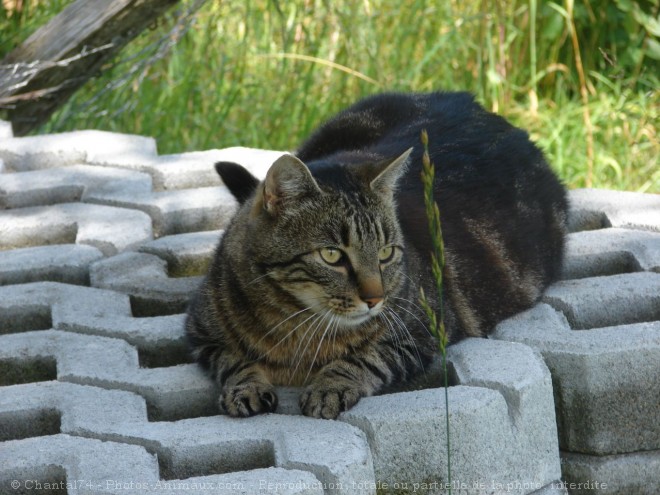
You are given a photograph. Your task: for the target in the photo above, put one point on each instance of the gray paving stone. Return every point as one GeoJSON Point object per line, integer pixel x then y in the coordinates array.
{"type": "Point", "coordinates": [503, 432]}
{"type": "Point", "coordinates": [186, 254]}
{"type": "Point", "coordinates": [160, 340]}
{"type": "Point", "coordinates": [103, 370]}
{"type": "Point", "coordinates": [597, 208]}
{"type": "Point", "coordinates": [69, 184]}
{"type": "Point", "coordinates": [109, 229]}
{"type": "Point", "coordinates": [202, 445]}
{"type": "Point", "coordinates": [193, 169]}
{"type": "Point", "coordinates": [176, 212]}
{"type": "Point", "coordinates": [257, 481]}
{"type": "Point", "coordinates": [171, 393]}
{"type": "Point", "coordinates": [611, 251]}
{"type": "Point", "coordinates": [606, 301]}
{"type": "Point", "coordinates": [335, 453]}
{"type": "Point", "coordinates": [145, 277]}
{"type": "Point", "coordinates": [555, 488]}
{"type": "Point", "coordinates": [632, 474]}
{"type": "Point", "coordinates": [606, 380]}
{"type": "Point", "coordinates": [87, 466]}
{"type": "Point", "coordinates": [6, 132]}
{"type": "Point", "coordinates": [55, 150]}
{"type": "Point", "coordinates": [67, 263]}
{"type": "Point", "coordinates": [80, 409]}
{"type": "Point", "coordinates": [39, 305]}
{"type": "Point", "coordinates": [79, 465]}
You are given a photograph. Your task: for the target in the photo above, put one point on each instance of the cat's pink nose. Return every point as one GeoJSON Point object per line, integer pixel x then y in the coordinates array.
{"type": "Point", "coordinates": [372, 300]}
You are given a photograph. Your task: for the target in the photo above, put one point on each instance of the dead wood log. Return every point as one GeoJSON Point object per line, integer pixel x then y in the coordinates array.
{"type": "Point", "coordinates": [40, 75]}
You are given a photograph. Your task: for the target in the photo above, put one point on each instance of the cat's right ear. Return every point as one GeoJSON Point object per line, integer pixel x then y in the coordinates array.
{"type": "Point", "coordinates": [238, 180]}
{"type": "Point", "coordinates": [287, 179]}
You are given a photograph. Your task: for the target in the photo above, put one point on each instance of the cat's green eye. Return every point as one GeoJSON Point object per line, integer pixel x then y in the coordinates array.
{"type": "Point", "coordinates": [385, 254]}
{"type": "Point", "coordinates": [331, 256]}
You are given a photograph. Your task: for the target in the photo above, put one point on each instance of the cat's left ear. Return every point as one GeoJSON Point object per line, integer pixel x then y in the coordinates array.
{"type": "Point", "coordinates": [389, 174]}
{"type": "Point", "coordinates": [287, 179]}
{"type": "Point", "coordinates": [238, 180]}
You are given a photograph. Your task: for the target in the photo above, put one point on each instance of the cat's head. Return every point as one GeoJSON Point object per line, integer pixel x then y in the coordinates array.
{"type": "Point", "coordinates": [331, 241]}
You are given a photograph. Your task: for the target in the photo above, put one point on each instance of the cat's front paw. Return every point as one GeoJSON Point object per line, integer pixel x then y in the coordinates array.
{"type": "Point", "coordinates": [327, 401]}
{"type": "Point", "coordinates": [248, 399]}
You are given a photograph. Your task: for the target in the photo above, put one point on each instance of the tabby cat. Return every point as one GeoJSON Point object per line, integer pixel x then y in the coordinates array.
{"type": "Point", "coordinates": [316, 281]}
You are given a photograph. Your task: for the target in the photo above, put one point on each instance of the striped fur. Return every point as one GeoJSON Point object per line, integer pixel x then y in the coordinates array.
{"type": "Point", "coordinates": [316, 281]}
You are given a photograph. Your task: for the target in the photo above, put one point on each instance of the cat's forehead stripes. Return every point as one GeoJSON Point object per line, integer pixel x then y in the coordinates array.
{"type": "Point", "coordinates": [360, 225]}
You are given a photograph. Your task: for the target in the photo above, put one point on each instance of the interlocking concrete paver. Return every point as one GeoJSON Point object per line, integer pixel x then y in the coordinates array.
{"type": "Point", "coordinates": [111, 367]}
{"type": "Point", "coordinates": [145, 277]}
{"type": "Point", "coordinates": [176, 212]}
{"type": "Point", "coordinates": [186, 254]}
{"type": "Point", "coordinates": [607, 301]}
{"type": "Point", "coordinates": [194, 169]}
{"type": "Point", "coordinates": [598, 208]}
{"type": "Point", "coordinates": [55, 150]}
{"type": "Point", "coordinates": [203, 445]}
{"type": "Point", "coordinates": [109, 229]}
{"type": "Point", "coordinates": [67, 263]}
{"type": "Point", "coordinates": [635, 473]}
{"type": "Point", "coordinates": [78, 465]}
{"type": "Point", "coordinates": [611, 251]}
{"type": "Point", "coordinates": [611, 403]}
{"type": "Point", "coordinates": [6, 131]}
{"type": "Point", "coordinates": [501, 418]}
{"type": "Point", "coordinates": [171, 393]}
{"type": "Point", "coordinates": [68, 184]}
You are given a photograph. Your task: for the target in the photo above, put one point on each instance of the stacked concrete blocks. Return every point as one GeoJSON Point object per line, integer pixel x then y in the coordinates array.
{"type": "Point", "coordinates": [102, 373]}
{"type": "Point", "coordinates": [599, 333]}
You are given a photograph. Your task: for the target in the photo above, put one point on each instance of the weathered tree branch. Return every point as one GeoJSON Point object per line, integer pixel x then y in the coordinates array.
{"type": "Point", "coordinates": [40, 75]}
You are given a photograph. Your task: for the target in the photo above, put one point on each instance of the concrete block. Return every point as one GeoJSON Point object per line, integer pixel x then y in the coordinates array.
{"type": "Point", "coordinates": [203, 445]}
{"type": "Point", "coordinates": [6, 131]}
{"type": "Point", "coordinates": [111, 230]}
{"type": "Point", "coordinates": [607, 301]}
{"type": "Point", "coordinates": [145, 277]}
{"type": "Point", "coordinates": [606, 380]}
{"type": "Point", "coordinates": [37, 306]}
{"type": "Point", "coordinates": [160, 340]}
{"type": "Point", "coordinates": [171, 393]}
{"type": "Point", "coordinates": [176, 212]}
{"type": "Point", "coordinates": [555, 488]}
{"type": "Point", "coordinates": [76, 409]}
{"type": "Point", "coordinates": [336, 454]}
{"type": "Point", "coordinates": [67, 263]}
{"type": "Point", "coordinates": [194, 169]}
{"type": "Point", "coordinates": [634, 474]}
{"type": "Point", "coordinates": [611, 251]}
{"type": "Point", "coordinates": [69, 184]}
{"type": "Point", "coordinates": [503, 432]}
{"type": "Point", "coordinates": [56, 150]}
{"type": "Point", "coordinates": [186, 254]}
{"type": "Point", "coordinates": [71, 464]}
{"type": "Point", "coordinates": [254, 482]}
{"type": "Point", "coordinates": [598, 208]}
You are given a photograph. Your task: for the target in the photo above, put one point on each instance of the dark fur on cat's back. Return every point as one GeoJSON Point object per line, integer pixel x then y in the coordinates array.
{"type": "Point", "coordinates": [316, 281]}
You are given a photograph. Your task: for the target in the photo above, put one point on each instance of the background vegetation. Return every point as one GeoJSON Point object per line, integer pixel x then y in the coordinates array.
{"type": "Point", "coordinates": [581, 76]}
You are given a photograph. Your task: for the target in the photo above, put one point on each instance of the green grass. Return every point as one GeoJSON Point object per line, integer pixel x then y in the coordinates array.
{"type": "Point", "coordinates": [265, 73]}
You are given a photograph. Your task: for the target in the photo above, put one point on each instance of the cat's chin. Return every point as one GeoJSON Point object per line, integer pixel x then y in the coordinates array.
{"type": "Point", "coordinates": [351, 321]}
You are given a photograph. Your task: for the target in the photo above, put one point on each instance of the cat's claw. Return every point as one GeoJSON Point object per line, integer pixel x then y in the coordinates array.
{"type": "Point", "coordinates": [327, 402]}
{"type": "Point", "coordinates": [248, 399]}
